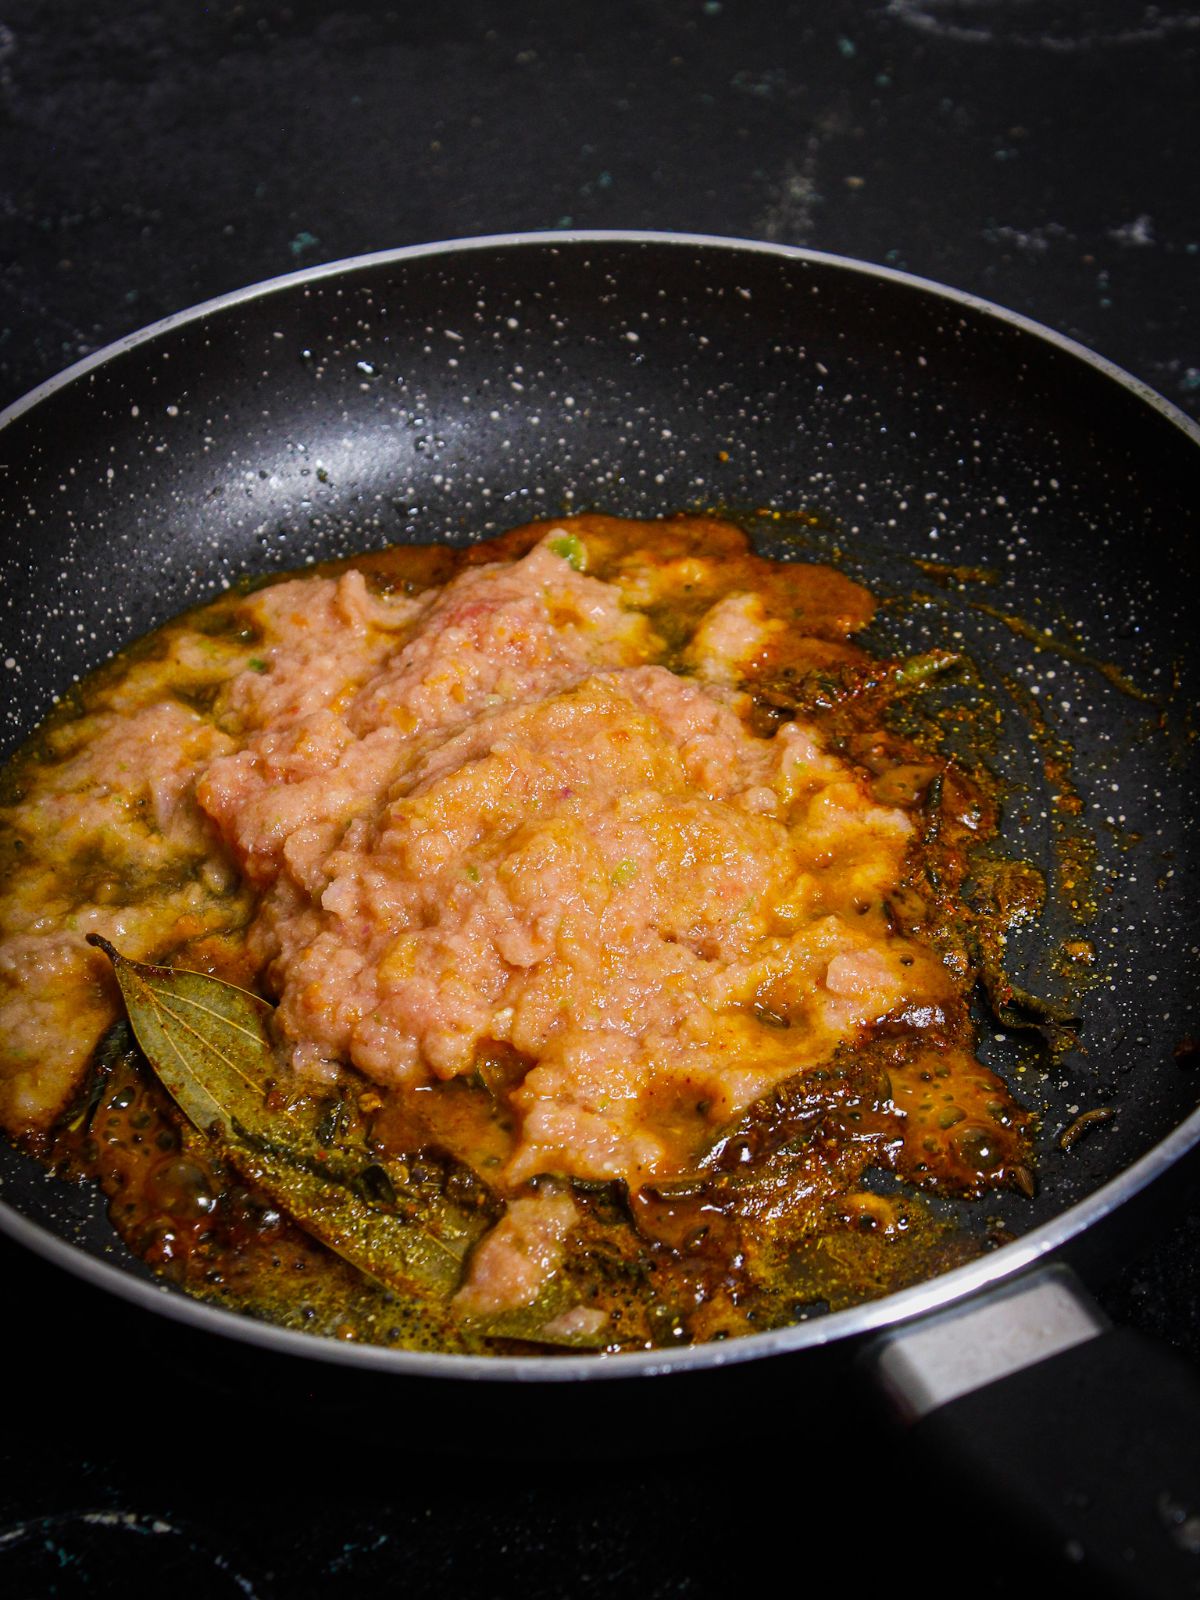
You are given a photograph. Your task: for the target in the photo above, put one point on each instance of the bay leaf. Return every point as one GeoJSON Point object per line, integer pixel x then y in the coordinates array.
{"type": "Point", "coordinates": [209, 1043]}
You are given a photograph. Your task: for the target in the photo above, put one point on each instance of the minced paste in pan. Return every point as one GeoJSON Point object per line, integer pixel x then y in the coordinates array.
{"type": "Point", "coordinates": [587, 858]}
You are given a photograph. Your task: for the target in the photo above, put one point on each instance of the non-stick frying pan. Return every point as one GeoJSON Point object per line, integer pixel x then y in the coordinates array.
{"type": "Point", "coordinates": [455, 390]}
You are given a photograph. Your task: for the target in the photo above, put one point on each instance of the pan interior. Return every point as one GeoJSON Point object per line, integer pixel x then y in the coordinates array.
{"type": "Point", "coordinates": [998, 492]}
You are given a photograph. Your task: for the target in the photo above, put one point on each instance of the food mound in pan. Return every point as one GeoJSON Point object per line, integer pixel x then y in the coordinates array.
{"type": "Point", "coordinates": [545, 943]}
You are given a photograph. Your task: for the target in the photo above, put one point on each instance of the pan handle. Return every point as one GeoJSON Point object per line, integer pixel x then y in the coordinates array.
{"type": "Point", "coordinates": [1089, 1435]}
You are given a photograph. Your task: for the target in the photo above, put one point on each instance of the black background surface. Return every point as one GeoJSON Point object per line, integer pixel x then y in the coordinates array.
{"type": "Point", "coordinates": [1044, 156]}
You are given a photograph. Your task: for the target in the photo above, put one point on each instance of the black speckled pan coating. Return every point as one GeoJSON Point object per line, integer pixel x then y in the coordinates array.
{"type": "Point", "coordinates": [461, 390]}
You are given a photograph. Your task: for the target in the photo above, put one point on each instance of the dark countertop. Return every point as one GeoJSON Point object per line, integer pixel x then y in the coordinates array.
{"type": "Point", "coordinates": [151, 156]}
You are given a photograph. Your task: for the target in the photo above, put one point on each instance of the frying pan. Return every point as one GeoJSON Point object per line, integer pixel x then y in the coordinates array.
{"type": "Point", "coordinates": [455, 390]}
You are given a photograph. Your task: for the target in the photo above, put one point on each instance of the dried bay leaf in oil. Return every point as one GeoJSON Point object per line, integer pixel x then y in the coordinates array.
{"type": "Point", "coordinates": [209, 1044]}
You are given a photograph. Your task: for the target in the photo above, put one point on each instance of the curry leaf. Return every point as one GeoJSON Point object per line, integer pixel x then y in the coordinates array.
{"type": "Point", "coordinates": [210, 1045]}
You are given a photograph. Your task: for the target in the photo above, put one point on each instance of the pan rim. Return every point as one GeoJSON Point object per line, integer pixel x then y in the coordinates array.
{"type": "Point", "coordinates": [585, 236]}
{"type": "Point", "coordinates": [835, 1327]}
